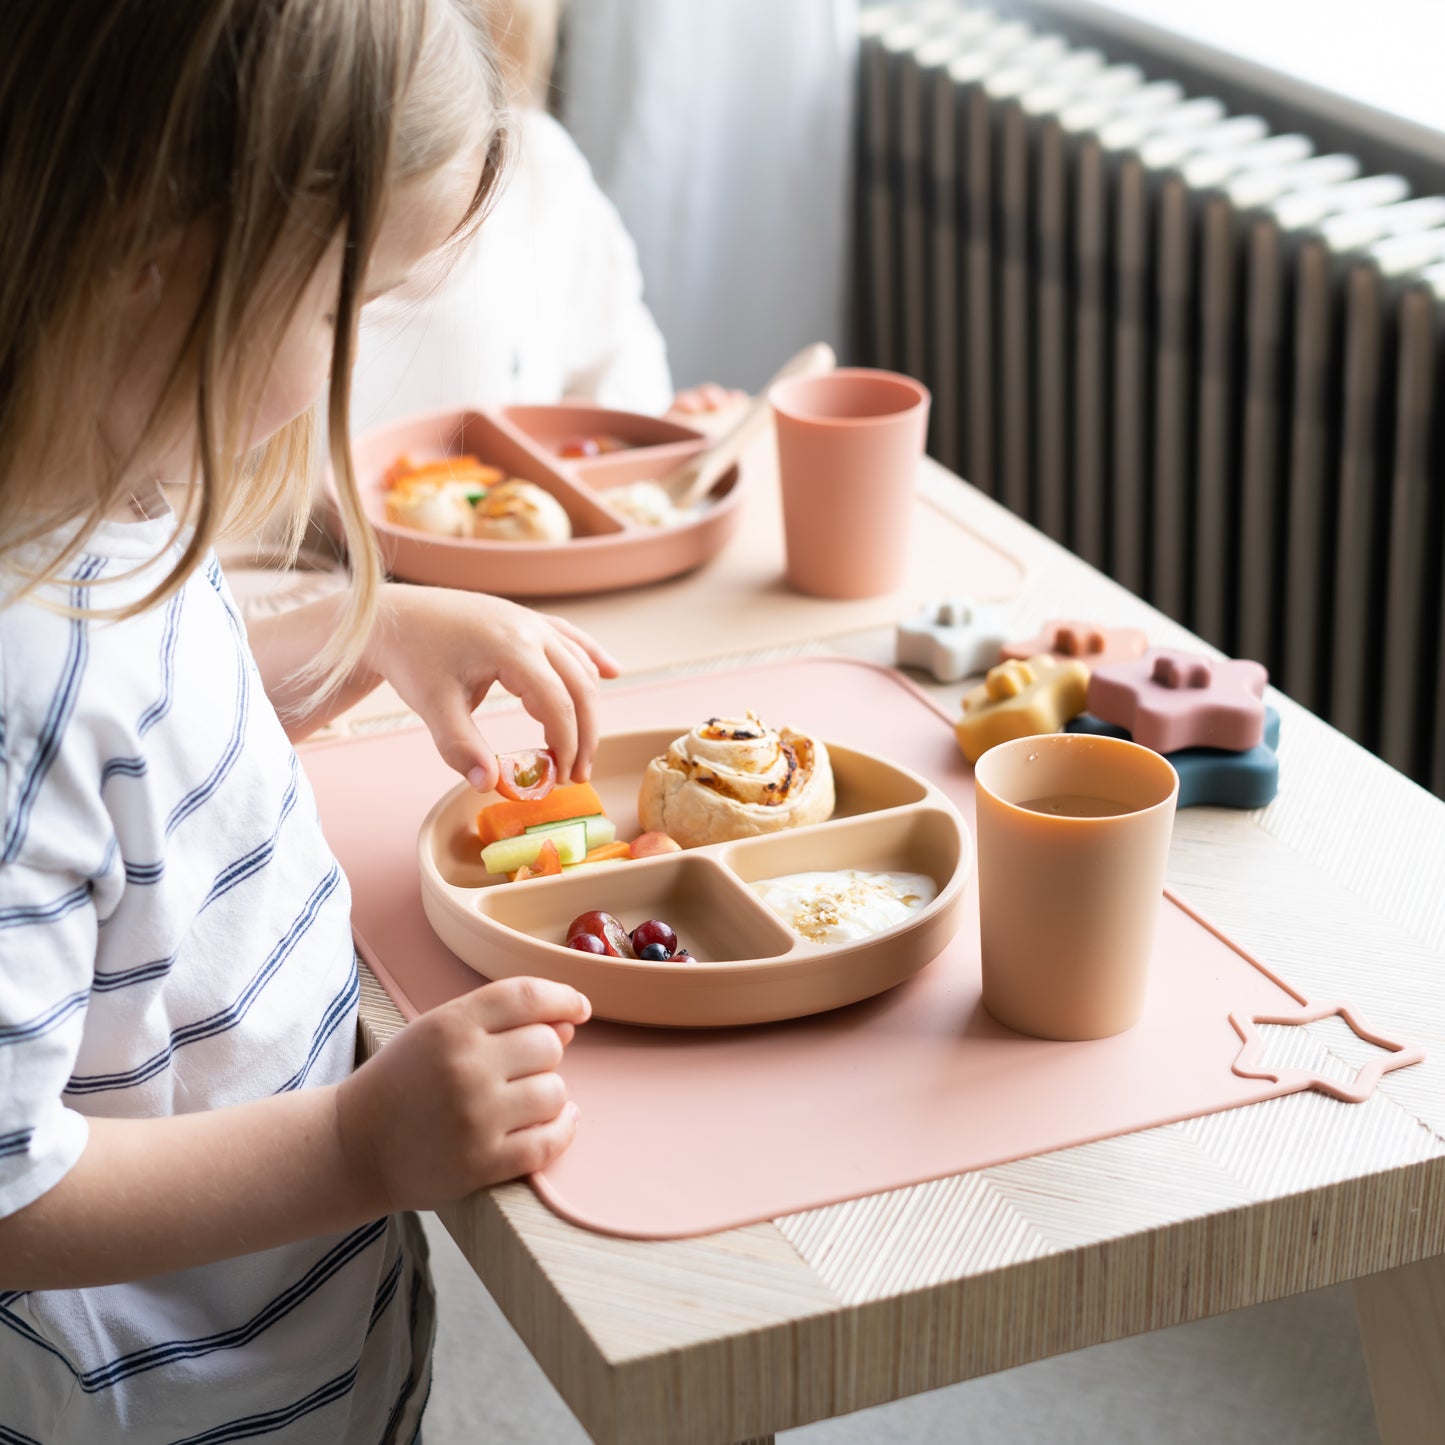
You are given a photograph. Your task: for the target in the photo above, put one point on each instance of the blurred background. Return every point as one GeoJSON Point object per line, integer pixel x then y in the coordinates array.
{"type": "Point", "coordinates": [1173, 273]}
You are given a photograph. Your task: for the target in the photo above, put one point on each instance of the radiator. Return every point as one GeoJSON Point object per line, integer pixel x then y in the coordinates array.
{"type": "Point", "coordinates": [1200, 354]}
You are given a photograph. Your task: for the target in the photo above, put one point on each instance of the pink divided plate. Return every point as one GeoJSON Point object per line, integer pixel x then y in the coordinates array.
{"type": "Point", "coordinates": [750, 966]}
{"type": "Point", "coordinates": [607, 551]}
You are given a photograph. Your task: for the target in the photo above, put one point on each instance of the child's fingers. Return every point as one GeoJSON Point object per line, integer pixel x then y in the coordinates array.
{"type": "Point", "coordinates": [547, 698]}
{"type": "Point", "coordinates": [531, 1049]}
{"type": "Point", "coordinates": [537, 1099]}
{"type": "Point", "coordinates": [564, 1031]}
{"type": "Point", "coordinates": [560, 694]}
{"type": "Point", "coordinates": [454, 732]}
{"type": "Point", "coordinates": [512, 1002]}
{"type": "Point", "coordinates": [606, 664]}
{"type": "Point", "coordinates": [580, 680]}
{"type": "Point", "coordinates": [526, 1151]}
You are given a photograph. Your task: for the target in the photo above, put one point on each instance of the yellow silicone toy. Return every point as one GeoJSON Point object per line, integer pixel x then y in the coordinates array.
{"type": "Point", "coordinates": [1020, 699]}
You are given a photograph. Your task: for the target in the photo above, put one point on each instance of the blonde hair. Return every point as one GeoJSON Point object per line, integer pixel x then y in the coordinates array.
{"type": "Point", "coordinates": [277, 125]}
{"type": "Point", "coordinates": [525, 35]}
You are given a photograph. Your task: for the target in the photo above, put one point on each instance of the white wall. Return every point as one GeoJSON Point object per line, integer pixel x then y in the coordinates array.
{"type": "Point", "coordinates": [723, 133]}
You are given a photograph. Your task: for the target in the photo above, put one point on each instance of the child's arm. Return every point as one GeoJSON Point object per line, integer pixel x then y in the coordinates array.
{"type": "Point", "coordinates": [466, 1096]}
{"type": "Point", "coordinates": [443, 651]}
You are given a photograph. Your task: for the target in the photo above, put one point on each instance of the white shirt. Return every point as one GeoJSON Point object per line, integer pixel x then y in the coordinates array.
{"type": "Point", "coordinates": [174, 936]}
{"type": "Point", "coordinates": [544, 302]}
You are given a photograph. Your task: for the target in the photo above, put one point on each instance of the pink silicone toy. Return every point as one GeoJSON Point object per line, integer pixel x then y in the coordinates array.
{"type": "Point", "coordinates": [1170, 700]}
{"type": "Point", "coordinates": [1087, 641]}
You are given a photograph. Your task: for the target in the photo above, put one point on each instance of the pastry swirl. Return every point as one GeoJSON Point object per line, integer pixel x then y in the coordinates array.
{"type": "Point", "coordinates": [735, 778]}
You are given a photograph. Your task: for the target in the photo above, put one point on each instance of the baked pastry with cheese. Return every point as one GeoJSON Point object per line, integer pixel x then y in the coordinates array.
{"type": "Point", "coordinates": [735, 778]}
{"type": "Point", "coordinates": [442, 508]}
{"type": "Point", "coordinates": [517, 511]}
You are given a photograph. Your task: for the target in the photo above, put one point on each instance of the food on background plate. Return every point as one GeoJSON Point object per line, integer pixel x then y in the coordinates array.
{"type": "Point", "coordinates": [598, 444]}
{"type": "Point", "coordinates": [846, 904]}
{"type": "Point", "coordinates": [646, 504]}
{"type": "Point", "coordinates": [462, 497]}
{"type": "Point", "coordinates": [516, 511]}
{"type": "Point", "coordinates": [736, 778]}
{"type": "Point", "coordinates": [652, 941]}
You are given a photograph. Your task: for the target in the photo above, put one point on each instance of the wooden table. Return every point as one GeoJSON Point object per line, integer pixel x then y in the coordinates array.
{"type": "Point", "coordinates": [1338, 883]}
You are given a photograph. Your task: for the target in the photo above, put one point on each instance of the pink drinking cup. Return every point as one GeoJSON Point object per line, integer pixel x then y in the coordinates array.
{"type": "Point", "coordinates": [849, 444]}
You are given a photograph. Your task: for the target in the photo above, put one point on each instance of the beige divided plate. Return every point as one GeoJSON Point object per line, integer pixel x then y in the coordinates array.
{"type": "Point", "coordinates": [750, 967]}
{"type": "Point", "coordinates": [606, 552]}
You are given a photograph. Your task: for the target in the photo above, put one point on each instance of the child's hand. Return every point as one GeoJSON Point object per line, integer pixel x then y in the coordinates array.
{"type": "Point", "coordinates": [442, 651]}
{"type": "Point", "coordinates": [466, 1096]}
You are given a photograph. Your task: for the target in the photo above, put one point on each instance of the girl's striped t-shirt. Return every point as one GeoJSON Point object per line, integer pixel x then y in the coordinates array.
{"type": "Point", "coordinates": [174, 936]}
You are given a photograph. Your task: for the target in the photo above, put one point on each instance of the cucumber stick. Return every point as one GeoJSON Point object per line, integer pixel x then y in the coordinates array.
{"type": "Point", "coordinates": [600, 829]}
{"type": "Point", "coordinates": [506, 855]}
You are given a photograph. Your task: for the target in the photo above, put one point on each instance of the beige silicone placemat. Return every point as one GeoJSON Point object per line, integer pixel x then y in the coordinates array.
{"type": "Point", "coordinates": [688, 1132]}
{"type": "Point", "coordinates": [738, 601]}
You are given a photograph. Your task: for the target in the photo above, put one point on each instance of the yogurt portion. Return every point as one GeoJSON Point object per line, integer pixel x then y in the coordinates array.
{"type": "Point", "coordinates": [846, 904]}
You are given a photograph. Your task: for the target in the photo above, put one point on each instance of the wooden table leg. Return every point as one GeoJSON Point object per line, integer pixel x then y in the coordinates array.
{"type": "Point", "coordinates": [1402, 1327]}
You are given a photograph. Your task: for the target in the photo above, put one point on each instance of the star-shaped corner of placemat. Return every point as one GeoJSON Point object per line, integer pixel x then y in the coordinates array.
{"type": "Point", "coordinates": [1248, 1064]}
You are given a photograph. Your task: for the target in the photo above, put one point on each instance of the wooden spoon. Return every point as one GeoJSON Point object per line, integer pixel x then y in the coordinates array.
{"type": "Point", "coordinates": [690, 482]}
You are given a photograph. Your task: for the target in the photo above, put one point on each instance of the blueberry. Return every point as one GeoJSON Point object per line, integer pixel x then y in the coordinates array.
{"type": "Point", "coordinates": [654, 952]}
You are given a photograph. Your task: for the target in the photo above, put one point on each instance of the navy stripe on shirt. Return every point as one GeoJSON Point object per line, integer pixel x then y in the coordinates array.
{"type": "Point", "coordinates": [123, 978]}
{"type": "Point", "coordinates": [225, 1019]}
{"type": "Point", "coordinates": [386, 1289]}
{"type": "Point", "coordinates": [249, 1426]}
{"type": "Point", "coordinates": [259, 856]}
{"type": "Point", "coordinates": [23, 914]}
{"type": "Point", "coordinates": [337, 1014]}
{"type": "Point", "coordinates": [162, 705]}
{"type": "Point", "coordinates": [57, 716]}
{"type": "Point", "coordinates": [123, 768]}
{"type": "Point", "coordinates": [41, 1024]}
{"type": "Point", "coordinates": [244, 867]}
{"type": "Point", "coordinates": [103, 1377]}
{"type": "Point", "coordinates": [203, 790]}
{"type": "Point", "coordinates": [15, 1142]}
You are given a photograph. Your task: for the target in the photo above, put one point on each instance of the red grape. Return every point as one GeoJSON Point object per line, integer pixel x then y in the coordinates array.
{"type": "Point", "coordinates": [605, 927]}
{"type": "Point", "coordinates": [586, 943]}
{"type": "Point", "coordinates": [653, 931]}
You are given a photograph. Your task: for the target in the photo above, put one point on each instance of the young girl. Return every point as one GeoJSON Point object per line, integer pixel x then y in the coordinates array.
{"type": "Point", "coordinates": [546, 302]}
{"type": "Point", "coordinates": [199, 1236]}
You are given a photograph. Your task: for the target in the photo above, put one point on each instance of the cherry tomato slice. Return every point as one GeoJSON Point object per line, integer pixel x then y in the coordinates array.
{"type": "Point", "coordinates": [526, 775]}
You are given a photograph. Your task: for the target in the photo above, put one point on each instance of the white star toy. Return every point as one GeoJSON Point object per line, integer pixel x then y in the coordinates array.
{"type": "Point", "coordinates": [953, 639]}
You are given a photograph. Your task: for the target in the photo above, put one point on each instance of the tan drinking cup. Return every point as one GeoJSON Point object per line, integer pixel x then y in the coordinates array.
{"type": "Point", "coordinates": [1070, 903]}
{"type": "Point", "coordinates": [848, 450]}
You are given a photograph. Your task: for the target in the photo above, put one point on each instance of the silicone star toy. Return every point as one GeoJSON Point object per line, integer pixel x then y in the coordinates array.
{"type": "Point", "coordinates": [1020, 699]}
{"type": "Point", "coordinates": [1090, 643]}
{"type": "Point", "coordinates": [952, 639]}
{"type": "Point", "coordinates": [1212, 777]}
{"type": "Point", "coordinates": [1170, 700]}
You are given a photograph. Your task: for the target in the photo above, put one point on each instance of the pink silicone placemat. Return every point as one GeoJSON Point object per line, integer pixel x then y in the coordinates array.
{"type": "Point", "coordinates": [689, 1132]}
